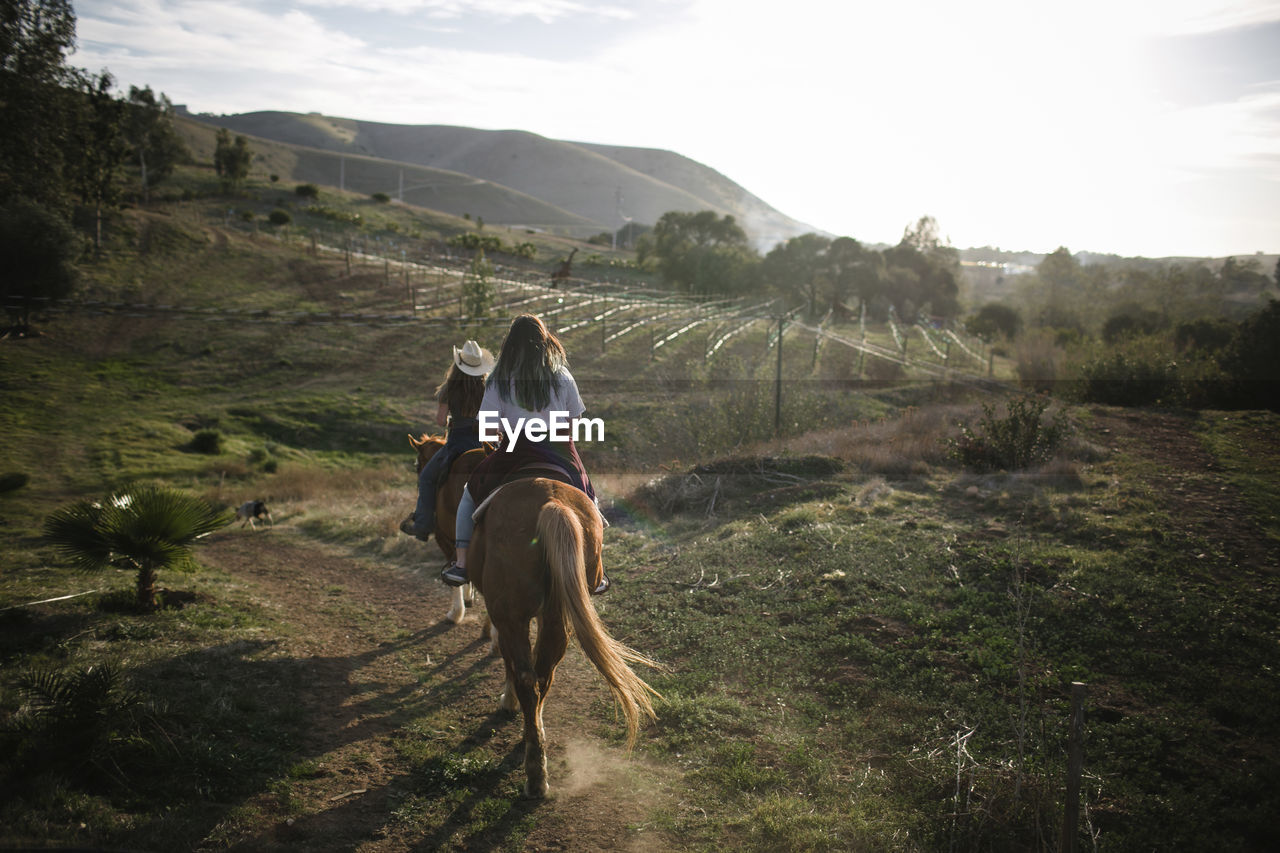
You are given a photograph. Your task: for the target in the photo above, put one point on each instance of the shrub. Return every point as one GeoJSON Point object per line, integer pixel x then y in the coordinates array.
{"type": "Point", "coordinates": [247, 215]}
{"type": "Point", "coordinates": [307, 191]}
{"type": "Point", "coordinates": [13, 481]}
{"type": "Point", "coordinates": [1130, 324]}
{"type": "Point", "coordinates": [381, 198]}
{"type": "Point", "coordinates": [525, 250]}
{"type": "Point", "coordinates": [1022, 438]}
{"type": "Point", "coordinates": [330, 213]}
{"type": "Point", "coordinates": [1252, 360]}
{"type": "Point", "coordinates": [1207, 333]}
{"type": "Point", "coordinates": [279, 217]}
{"type": "Point", "coordinates": [71, 721]}
{"type": "Point", "coordinates": [207, 441]}
{"type": "Point", "coordinates": [473, 241]}
{"type": "Point", "coordinates": [1128, 379]}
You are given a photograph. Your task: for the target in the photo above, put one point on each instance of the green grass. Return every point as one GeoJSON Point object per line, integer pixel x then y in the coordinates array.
{"type": "Point", "coordinates": [838, 607]}
{"type": "Point", "coordinates": [796, 659]}
{"type": "Point", "coordinates": [1244, 445]}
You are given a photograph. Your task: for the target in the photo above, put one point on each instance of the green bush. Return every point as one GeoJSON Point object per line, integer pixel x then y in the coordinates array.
{"type": "Point", "coordinates": [333, 215]}
{"type": "Point", "coordinates": [13, 480]}
{"type": "Point", "coordinates": [1022, 438]}
{"type": "Point", "coordinates": [279, 217]}
{"type": "Point", "coordinates": [525, 250]}
{"type": "Point", "coordinates": [1207, 333]}
{"type": "Point", "coordinates": [207, 441]}
{"type": "Point", "coordinates": [473, 241]}
{"type": "Point", "coordinates": [1131, 324]}
{"type": "Point", "coordinates": [307, 191]}
{"type": "Point", "coordinates": [381, 198]}
{"type": "Point", "coordinates": [70, 722]}
{"type": "Point", "coordinates": [1252, 360]}
{"type": "Point", "coordinates": [1128, 379]}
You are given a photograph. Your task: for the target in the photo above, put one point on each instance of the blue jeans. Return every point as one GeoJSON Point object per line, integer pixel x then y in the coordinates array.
{"type": "Point", "coordinates": [464, 526]}
{"type": "Point", "coordinates": [464, 435]}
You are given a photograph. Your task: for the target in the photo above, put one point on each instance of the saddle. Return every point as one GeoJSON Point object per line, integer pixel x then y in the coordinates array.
{"type": "Point", "coordinates": [536, 469]}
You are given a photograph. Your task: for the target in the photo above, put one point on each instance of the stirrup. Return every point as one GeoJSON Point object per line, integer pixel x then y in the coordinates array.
{"type": "Point", "coordinates": [454, 575]}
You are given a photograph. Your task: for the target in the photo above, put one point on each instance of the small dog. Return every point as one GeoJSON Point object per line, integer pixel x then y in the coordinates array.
{"type": "Point", "coordinates": [250, 510]}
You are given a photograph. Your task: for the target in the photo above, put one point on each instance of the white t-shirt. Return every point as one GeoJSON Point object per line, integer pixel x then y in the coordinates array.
{"type": "Point", "coordinates": [564, 398]}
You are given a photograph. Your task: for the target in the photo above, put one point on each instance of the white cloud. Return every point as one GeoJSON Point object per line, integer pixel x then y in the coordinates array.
{"type": "Point", "coordinates": [546, 11]}
{"type": "Point", "coordinates": [1004, 119]}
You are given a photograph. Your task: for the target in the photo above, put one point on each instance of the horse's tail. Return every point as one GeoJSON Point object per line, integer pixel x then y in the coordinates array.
{"type": "Point", "coordinates": [561, 535]}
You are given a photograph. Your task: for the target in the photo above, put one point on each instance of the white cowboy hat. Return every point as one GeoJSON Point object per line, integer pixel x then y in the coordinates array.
{"type": "Point", "coordinates": [473, 359]}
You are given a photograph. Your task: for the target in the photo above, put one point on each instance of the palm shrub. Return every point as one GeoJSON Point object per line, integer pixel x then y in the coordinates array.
{"type": "Point", "coordinates": [146, 529]}
{"type": "Point", "coordinates": [71, 721]}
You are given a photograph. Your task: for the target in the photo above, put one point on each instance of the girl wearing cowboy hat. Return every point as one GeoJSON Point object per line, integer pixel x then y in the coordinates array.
{"type": "Point", "coordinates": [458, 398]}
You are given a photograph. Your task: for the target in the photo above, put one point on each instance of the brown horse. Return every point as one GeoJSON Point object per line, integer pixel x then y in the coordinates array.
{"type": "Point", "coordinates": [447, 497]}
{"type": "Point", "coordinates": [535, 553]}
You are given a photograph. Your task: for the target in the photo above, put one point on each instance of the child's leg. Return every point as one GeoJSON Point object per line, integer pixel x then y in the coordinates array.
{"type": "Point", "coordinates": [464, 526]}
{"type": "Point", "coordinates": [456, 574]}
{"type": "Point", "coordinates": [424, 514]}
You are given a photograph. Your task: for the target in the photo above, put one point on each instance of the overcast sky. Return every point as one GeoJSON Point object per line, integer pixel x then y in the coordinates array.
{"type": "Point", "coordinates": [1141, 127]}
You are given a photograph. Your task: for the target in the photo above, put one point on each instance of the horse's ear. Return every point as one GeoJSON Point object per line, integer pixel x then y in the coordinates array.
{"type": "Point", "coordinates": [413, 442]}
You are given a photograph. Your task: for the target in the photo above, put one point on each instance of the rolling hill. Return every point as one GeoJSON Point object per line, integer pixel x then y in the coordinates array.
{"type": "Point", "coordinates": [574, 180]}
{"type": "Point", "coordinates": [438, 189]}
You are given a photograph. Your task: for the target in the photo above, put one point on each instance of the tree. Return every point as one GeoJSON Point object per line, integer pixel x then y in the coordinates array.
{"type": "Point", "coordinates": [35, 36]}
{"type": "Point", "coordinates": [800, 266]}
{"type": "Point", "coordinates": [146, 529]}
{"type": "Point", "coordinates": [37, 253]}
{"type": "Point", "coordinates": [994, 319]}
{"type": "Point", "coordinates": [231, 160]}
{"type": "Point", "coordinates": [99, 136]}
{"type": "Point", "coordinates": [702, 252]}
{"type": "Point", "coordinates": [477, 287]}
{"type": "Point", "coordinates": [150, 132]}
{"type": "Point", "coordinates": [1060, 274]}
{"type": "Point", "coordinates": [854, 271]}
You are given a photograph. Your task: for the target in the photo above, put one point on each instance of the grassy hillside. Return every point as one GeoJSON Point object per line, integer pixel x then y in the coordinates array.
{"type": "Point", "coordinates": [435, 189]}
{"type": "Point", "coordinates": [576, 177]}
{"type": "Point", "coordinates": [870, 646]}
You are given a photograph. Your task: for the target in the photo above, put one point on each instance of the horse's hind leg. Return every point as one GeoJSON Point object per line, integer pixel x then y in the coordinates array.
{"type": "Point", "coordinates": [547, 654]}
{"type": "Point", "coordinates": [518, 654]}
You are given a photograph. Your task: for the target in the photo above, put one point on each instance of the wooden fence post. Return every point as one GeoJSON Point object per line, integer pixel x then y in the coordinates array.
{"type": "Point", "coordinates": [777, 386]}
{"type": "Point", "coordinates": [1075, 766]}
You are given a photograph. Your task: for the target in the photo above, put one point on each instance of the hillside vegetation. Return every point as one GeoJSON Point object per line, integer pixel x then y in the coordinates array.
{"type": "Point", "coordinates": [583, 179]}
{"type": "Point", "coordinates": [870, 644]}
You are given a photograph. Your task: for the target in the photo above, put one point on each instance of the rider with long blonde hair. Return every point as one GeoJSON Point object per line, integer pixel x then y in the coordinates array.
{"type": "Point", "coordinates": [531, 380]}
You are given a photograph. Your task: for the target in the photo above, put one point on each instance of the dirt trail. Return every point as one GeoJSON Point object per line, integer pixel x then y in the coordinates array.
{"type": "Point", "coordinates": [380, 656]}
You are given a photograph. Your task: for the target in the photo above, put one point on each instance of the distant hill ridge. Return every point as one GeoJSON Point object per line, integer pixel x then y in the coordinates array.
{"type": "Point", "coordinates": [581, 179]}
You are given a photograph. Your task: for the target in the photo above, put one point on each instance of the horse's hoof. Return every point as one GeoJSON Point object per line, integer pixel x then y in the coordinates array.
{"type": "Point", "coordinates": [455, 616]}
{"type": "Point", "coordinates": [536, 793]}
